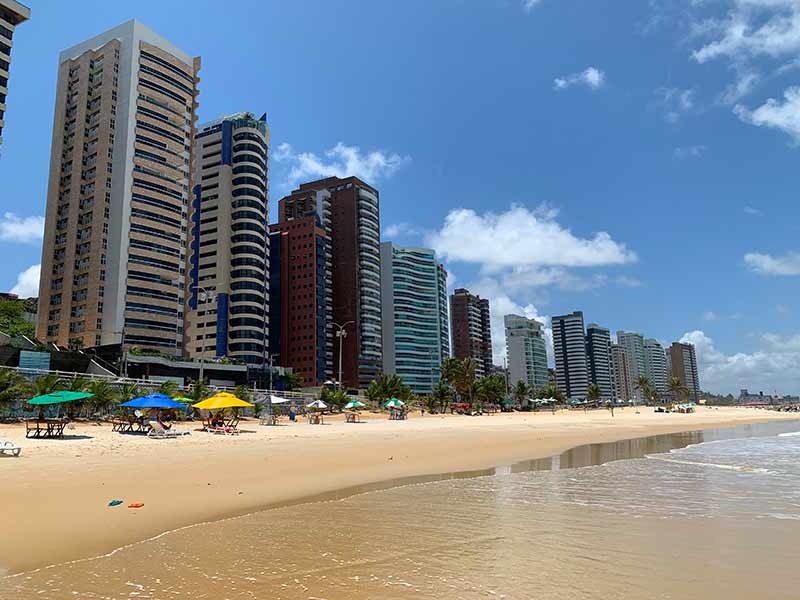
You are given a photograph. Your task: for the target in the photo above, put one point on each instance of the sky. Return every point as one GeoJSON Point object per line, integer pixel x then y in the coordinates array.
{"type": "Point", "coordinates": [636, 160]}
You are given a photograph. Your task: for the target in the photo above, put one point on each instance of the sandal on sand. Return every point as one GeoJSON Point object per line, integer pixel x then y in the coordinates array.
{"type": "Point", "coordinates": [136, 505]}
{"type": "Point", "coordinates": [115, 503]}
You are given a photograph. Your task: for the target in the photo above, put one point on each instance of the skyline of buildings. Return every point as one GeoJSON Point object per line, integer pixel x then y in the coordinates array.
{"type": "Point", "coordinates": [227, 293]}
{"type": "Point", "coordinates": [471, 329]}
{"type": "Point", "coordinates": [526, 351]}
{"type": "Point", "coordinates": [163, 242]}
{"type": "Point", "coordinates": [12, 14]}
{"type": "Point", "coordinates": [114, 250]}
{"type": "Point", "coordinates": [416, 335]}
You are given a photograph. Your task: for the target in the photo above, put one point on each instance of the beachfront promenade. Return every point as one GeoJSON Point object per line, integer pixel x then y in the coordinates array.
{"type": "Point", "coordinates": [68, 483]}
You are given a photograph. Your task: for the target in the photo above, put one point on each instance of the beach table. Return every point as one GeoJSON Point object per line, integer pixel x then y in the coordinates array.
{"type": "Point", "coordinates": [352, 417]}
{"type": "Point", "coordinates": [315, 419]}
{"type": "Point", "coordinates": [45, 428]}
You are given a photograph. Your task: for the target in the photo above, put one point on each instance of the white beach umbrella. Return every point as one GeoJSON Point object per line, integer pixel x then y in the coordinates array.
{"type": "Point", "coordinates": [317, 404]}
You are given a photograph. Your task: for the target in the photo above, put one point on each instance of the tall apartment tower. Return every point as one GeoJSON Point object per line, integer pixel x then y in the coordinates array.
{"type": "Point", "coordinates": [598, 354]}
{"type": "Point", "coordinates": [526, 351]}
{"type": "Point", "coordinates": [227, 300]}
{"type": "Point", "coordinates": [655, 365]}
{"type": "Point", "coordinates": [12, 13]}
{"type": "Point", "coordinates": [684, 366]}
{"type": "Point", "coordinates": [471, 329]}
{"type": "Point", "coordinates": [299, 297]}
{"type": "Point", "coordinates": [416, 335]}
{"type": "Point", "coordinates": [113, 258]}
{"type": "Point", "coordinates": [623, 367]}
{"type": "Point", "coordinates": [634, 344]}
{"type": "Point", "coordinates": [349, 214]}
{"type": "Point", "coordinates": [569, 343]}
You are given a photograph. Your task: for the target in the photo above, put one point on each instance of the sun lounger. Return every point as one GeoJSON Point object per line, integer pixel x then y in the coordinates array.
{"type": "Point", "coordinates": [158, 431]}
{"type": "Point", "coordinates": [6, 446]}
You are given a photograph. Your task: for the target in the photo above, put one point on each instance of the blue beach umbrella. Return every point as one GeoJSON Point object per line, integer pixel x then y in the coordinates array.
{"type": "Point", "coordinates": [156, 400]}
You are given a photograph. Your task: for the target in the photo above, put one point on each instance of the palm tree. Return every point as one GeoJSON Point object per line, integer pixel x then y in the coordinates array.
{"type": "Point", "coordinates": [521, 392]}
{"type": "Point", "coordinates": [77, 384]}
{"type": "Point", "coordinates": [292, 381]}
{"type": "Point", "coordinates": [13, 386]}
{"type": "Point", "coordinates": [460, 373]}
{"type": "Point", "coordinates": [677, 388]}
{"type": "Point", "coordinates": [489, 389]}
{"type": "Point", "coordinates": [104, 394]}
{"type": "Point", "coordinates": [243, 393]}
{"type": "Point", "coordinates": [388, 386]}
{"type": "Point", "coordinates": [128, 391]}
{"type": "Point", "coordinates": [46, 384]}
{"type": "Point", "coordinates": [168, 388]}
{"type": "Point", "coordinates": [199, 391]}
{"type": "Point", "coordinates": [593, 393]}
{"type": "Point", "coordinates": [441, 396]}
{"type": "Point", "coordinates": [643, 384]}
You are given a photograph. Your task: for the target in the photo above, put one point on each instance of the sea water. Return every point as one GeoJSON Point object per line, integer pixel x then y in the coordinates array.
{"type": "Point", "coordinates": [698, 515]}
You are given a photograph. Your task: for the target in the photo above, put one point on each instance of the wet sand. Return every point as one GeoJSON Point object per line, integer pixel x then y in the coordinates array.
{"type": "Point", "coordinates": [55, 496]}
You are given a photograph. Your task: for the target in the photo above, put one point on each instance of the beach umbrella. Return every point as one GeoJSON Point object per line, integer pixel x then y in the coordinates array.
{"type": "Point", "coordinates": [394, 403]}
{"type": "Point", "coordinates": [317, 404]}
{"type": "Point", "coordinates": [507, 402]}
{"type": "Point", "coordinates": [353, 404]}
{"type": "Point", "coordinates": [156, 400]}
{"type": "Point", "coordinates": [183, 400]}
{"type": "Point", "coordinates": [222, 400]}
{"type": "Point", "coordinates": [59, 397]}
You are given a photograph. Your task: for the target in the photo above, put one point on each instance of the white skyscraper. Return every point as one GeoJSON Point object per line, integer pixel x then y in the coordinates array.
{"type": "Point", "coordinates": [527, 353]}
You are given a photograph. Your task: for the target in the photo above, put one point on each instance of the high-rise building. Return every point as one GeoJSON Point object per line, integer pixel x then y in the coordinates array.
{"type": "Point", "coordinates": [655, 365]}
{"type": "Point", "coordinates": [298, 297]}
{"type": "Point", "coordinates": [634, 344]}
{"type": "Point", "coordinates": [228, 295]}
{"type": "Point", "coordinates": [623, 367]}
{"type": "Point", "coordinates": [349, 214]}
{"type": "Point", "coordinates": [416, 336]}
{"type": "Point", "coordinates": [684, 366]}
{"type": "Point", "coordinates": [470, 324]}
{"type": "Point", "coordinates": [526, 351]}
{"type": "Point", "coordinates": [569, 344]}
{"type": "Point", "coordinates": [114, 258]}
{"type": "Point", "coordinates": [12, 13]}
{"type": "Point", "coordinates": [598, 355]}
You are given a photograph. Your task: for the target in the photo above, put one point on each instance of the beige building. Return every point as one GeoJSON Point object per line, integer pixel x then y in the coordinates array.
{"type": "Point", "coordinates": [114, 258]}
{"type": "Point", "coordinates": [228, 289]}
{"type": "Point", "coordinates": [12, 13]}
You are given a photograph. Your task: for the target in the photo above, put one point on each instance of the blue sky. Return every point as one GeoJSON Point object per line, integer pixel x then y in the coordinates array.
{"type": "Point", "coordinates": [636, 160]}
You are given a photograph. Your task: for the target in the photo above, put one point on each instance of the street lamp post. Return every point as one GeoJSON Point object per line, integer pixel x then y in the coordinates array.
{"type": "Point", "coordinates": [207, 296]}
{"type": "Point", "coordinates": [341, 333]}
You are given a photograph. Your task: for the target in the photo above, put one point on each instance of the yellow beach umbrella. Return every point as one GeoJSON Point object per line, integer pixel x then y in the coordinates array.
{"type": "Point", "coordinates": [222, 400]}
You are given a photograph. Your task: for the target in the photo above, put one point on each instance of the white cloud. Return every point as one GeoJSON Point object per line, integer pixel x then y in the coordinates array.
{"type": "Point", "coordinates": [592, 77]}
{"type": "Point", "coordinates": [626, 281]}
{"type": "Point", "coordinates": [766, 264]}
{"type": "Point", "coordinates": [520, 238]}
{"type": "Point", "coordinates": [686, 152]}
{"type": "Point", "coordinates": [676, 102]}
{"type": "Point", "coordinates": [776, 114]}
{"type": "Point", "coordinates": [752, 28]}
{"type": "Point", "coordinates": [339, 161]}
{"type": "Point", "coordinates": [710, 315]}
{"type": "Point", "coordinates": [27, 282]}
{"type": "Point", "coordinates": [26, 230]}
{"type": "Point", "coordinates": [749, 210]}
{"type": "Point", "coordinates": [402, 229]}
{"type": "Point", "coordinates": [529, 5]}
{"type": "Point", "coordinates": [775, 365]}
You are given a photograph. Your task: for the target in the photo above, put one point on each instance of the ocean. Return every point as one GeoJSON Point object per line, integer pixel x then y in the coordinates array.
{"type": "Point", "coordinates": [707, 515]}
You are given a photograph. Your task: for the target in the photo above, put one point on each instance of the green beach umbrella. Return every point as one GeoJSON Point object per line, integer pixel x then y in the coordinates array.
{"type": "Point", "coordinates": [354, 404]}
{"type": "Point", "coordinates": [184, 400]}
{"type": "Point", "coordinates": [394, 403]}
{"type": "Point", "coordinates": [59, 398]}
{"type": "Point", "coordinates": [507, 402]}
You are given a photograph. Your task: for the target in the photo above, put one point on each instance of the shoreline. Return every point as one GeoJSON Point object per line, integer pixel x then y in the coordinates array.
{"type": "Point", "coordinates": [56, 495]}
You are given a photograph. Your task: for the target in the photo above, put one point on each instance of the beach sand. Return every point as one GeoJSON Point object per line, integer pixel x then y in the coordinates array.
{"type": "Point", "coordinates": [55, 496]}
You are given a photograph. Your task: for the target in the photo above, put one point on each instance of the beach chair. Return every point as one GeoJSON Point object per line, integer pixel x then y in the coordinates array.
{"type": "Point", "coordinates": [6, 446]}
{"type": "Point", "coordinates": [158, 431]}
